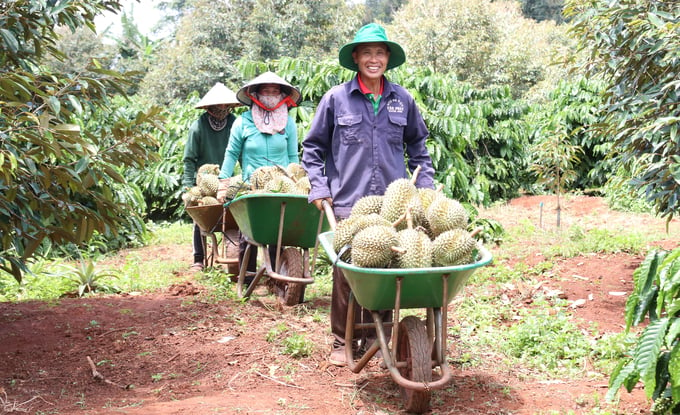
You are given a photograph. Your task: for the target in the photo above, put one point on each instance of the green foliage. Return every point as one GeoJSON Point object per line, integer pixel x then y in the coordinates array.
{"type": "Point", "coordinates": [566, 118]}
{"type": "Point", "coordinates": [60, 181]}
{"type": "Point", "coordinates": [382, 10]}
{"type": "Point", "coordinates": [543, 9]}
{"type": "Point", "coordinates": [633, 47]}
{"type": "Point", "coordinates": [160, 182]}
{"type": "Point", "coordinates": [547, 339]}
{"type": "Point", "coordinates": [554, 158]}
{"type": "Point", "coordinates": [87, 277]}
{"type": "Point", "coordinates": [655, 359]}
{"type": "Point", "coordinates": [486, 43]}
{"type": "Point", "coordinates": [622, 197]}
{"type": "Point", "coordinates": [204, 52]}
{"type": "Point", "coordinates": [297, 345]}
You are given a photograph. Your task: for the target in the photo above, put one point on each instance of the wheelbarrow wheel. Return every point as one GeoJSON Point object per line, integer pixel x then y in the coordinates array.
{"type": "Point", "coordinates": [291, 265]}
{"type": "Point", "coordinates": [413, 348]}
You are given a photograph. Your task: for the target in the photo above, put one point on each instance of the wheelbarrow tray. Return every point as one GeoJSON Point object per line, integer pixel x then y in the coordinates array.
{"type": "Point", "coordinates": [259, 216]}
{"type": "Point", "coordinates": [376, 288]}
{"type": "Point", "coordinates": [210, 218]}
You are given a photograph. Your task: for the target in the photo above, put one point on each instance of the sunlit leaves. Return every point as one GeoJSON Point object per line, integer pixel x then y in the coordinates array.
{"type": "Point", "coordinates": [634, 47]}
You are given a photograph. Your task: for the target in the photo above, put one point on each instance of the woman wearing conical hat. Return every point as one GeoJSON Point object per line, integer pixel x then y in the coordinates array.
{"type": "Point", "coordinates": [206, 142]}
{"type": "Point", "coordinates": [265, 135]}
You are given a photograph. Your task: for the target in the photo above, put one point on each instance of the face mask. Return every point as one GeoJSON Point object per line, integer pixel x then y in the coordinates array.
{"type": "Point", "coordinates": [219, 113]}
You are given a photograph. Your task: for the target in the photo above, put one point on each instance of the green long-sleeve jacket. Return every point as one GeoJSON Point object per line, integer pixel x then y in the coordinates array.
{"type": "Point", "coordinates": [253, 149]}
{"type": "Point", "coordinates": [204, 146]}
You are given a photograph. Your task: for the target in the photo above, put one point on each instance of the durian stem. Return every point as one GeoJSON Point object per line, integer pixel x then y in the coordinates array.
{"type": "Point", "coordinates": [399, 220]}
{"type": "Point", "coordinates": [409, 218]}
{"type": "Point", "coordinates": [476, 231]}
{"type": "Point", "coordinates": [398, 249]}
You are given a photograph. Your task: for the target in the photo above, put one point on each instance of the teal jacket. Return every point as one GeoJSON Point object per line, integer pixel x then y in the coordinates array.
{"type": "Point", "coordinates": [204, 146]}
{"type": "Point", "coordinates": [253, 149]}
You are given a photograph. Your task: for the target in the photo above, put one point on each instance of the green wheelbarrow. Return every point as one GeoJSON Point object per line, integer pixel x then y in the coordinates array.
{"type": "Point", "coordinates": [290, 223]}
{"type": "Point", "coordinates": [417, 347]}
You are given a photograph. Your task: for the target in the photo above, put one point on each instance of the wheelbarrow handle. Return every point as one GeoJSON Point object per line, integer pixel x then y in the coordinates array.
{"type": "Point", "coordinates": [330, 215]}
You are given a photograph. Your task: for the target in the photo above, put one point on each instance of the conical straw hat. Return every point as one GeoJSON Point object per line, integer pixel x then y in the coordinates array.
{"type": "Point", "coordinates": [218, 94]}
{"type": "Point", "coordinates": [268, 78]}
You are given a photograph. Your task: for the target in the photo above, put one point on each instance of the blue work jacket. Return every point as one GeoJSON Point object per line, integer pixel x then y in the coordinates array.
{"type": "Point", "coordinates": [352, 152]}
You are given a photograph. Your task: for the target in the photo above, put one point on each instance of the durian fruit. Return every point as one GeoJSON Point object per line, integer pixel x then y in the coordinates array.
{"type": "Point", "coordinates": [261, 176]}
{"type": "Point", "coordinates": [454, 247]}
{"type": "Point", "coordinates": [427, 196]}
{"type": "Point", "coordinates": [397, 196]}
{"type": "Point", "coordinates": [367, 204]}
{"type": "Point", "coordinates": [445, 214]}
{"type": "Point", "coordinates": [280, 184]}
{"type": "Point", "coordinates": [295, 171]}
{"type": "Point", "coordinates": [209, 169]}
{"type": "Point", "coordinates": [303, 186]}
{"type": "Point", "coordinates": [192, 196]}
{"type": "Point", "coordinates": [373, 247]}
{"type": "Point", "coordinates": [346, 229]}
{"type": "Point", "coordinates": [236, 186]}
{"type": "Point", "coordinates": [416, 246]}
{"type": "Point", "coordinates": [417, 213]}
{"type": "Point", "coordinates": [208, 200]}
{"type": "Point", "coordinates": [209, 184]}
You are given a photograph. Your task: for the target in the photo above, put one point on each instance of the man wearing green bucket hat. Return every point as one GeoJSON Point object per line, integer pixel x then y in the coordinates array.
{"type": "Point", "coordinates": [364, 134]}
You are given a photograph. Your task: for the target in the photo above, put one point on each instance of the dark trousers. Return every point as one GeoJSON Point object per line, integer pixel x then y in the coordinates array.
{"type": "Point", "coordinates": [339, 306]}
{"type": "Point", "coordinates": [199, 252]}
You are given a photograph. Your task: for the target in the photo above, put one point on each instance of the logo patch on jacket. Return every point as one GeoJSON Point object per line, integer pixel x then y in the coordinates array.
{"type": "Point", "coordinates": [395, 105]}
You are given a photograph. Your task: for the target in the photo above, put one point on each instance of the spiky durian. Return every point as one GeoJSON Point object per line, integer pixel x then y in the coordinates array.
{"type": "Point", "coordinates": [303, 186]}
{"type": "Point", "coordinates": [208, 200]}
{"type": "Point", "coordinates": [416, 246]}
{"type": "Point", "coordinates": [373, 246]}
{"type": "Point", "coordinates": [445, 214]}
{"type": "Point", "coordinates": [209, 184]}
{"type": "Point", "coordinates": [367, 204]}
{"type": "Point", "coordinates": [280, 184]}
{"type": "Point", "coordinates": [192, 196]}
{"type": "Point", "coordinates": [427, 196]}
{"type": "Point", "coordinates": [397, 196]}
{"type": "Point", "coordinates": [295, 171]}
{"type": "Point", "coordinates": [453, 247]}
{"type": "Point", "coordinates": [346, 229]}
{"type": "Point", "coordinates": [236, 186]}
{"type": "Point", "coordinates": [209, 169]}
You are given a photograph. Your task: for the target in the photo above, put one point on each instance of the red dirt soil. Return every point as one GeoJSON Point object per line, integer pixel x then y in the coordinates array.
{"type": "Point", "coordinates": [175, 352]}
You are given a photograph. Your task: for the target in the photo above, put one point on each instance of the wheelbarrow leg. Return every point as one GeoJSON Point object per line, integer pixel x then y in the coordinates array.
{"type": "Point", "coordinates": [243, 272]}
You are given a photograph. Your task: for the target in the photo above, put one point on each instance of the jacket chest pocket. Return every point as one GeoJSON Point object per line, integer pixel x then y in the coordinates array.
{"type": "Point", "coordinates": [349, 128]}
{"type": "Point", "coordinates": [395, 129]}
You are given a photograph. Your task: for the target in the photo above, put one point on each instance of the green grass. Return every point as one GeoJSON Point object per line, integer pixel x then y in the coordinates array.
{"type": "Point", "coordinates": [51, 279]}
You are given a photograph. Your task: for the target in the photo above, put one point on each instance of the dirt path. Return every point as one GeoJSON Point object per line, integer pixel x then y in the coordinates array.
{"type": "Point", "coordinates": [175, 353]}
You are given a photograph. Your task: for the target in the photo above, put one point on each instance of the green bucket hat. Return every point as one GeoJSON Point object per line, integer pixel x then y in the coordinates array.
{"type": "Point", "coordinates": [370, 33]}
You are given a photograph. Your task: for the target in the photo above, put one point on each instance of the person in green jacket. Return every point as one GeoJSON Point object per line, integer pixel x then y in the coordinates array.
{"type": "Point", "coordinates": [206, 142]}
{"type": "Point", "coordinates": [265, 135]}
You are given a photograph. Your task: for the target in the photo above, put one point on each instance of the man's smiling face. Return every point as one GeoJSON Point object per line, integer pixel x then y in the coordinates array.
{"type": "Point", "coordinates": [372, 59]}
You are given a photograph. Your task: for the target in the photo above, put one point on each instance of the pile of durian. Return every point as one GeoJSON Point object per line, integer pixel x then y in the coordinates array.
{"type": "Point", "coordinates": [277, 179]}
{"type": "Point", "coordinates": [407, 227]}
{"type": "Point", "coordinates": [205, 191]}
{"type": "Point", "coordinates": [267, 179]}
